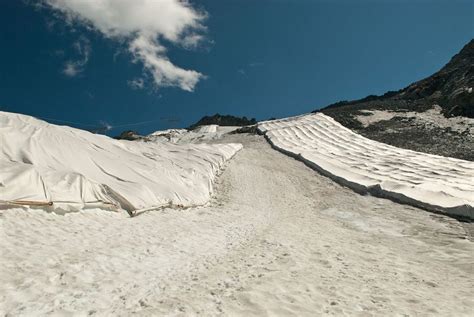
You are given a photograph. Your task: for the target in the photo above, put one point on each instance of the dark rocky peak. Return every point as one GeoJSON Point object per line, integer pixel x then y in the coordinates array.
{"type": "Point", "coordinates": [451, 88]}
{"type": "Point", "coordinates": [129, 135]}
{"type": "Point", "coordinates": [223, 120]}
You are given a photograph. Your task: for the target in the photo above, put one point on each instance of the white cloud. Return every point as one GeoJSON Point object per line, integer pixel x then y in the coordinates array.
{"type": "Point", "coordinates": [137, 83]}
{"type": "Point", "coordinates": [164, 73]}
{"type": "Point", "coordinates": [73, 68]}
{"type": "Point", "coordinates": [106, 126]}
{"type": "Point", "coordinates": [143, 25]}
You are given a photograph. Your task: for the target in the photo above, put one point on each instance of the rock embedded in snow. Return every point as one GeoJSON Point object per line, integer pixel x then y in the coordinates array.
{"type": "Point", "coordinates": [41, 163]}
{"type": "Point", "coordinates": [432, 182]}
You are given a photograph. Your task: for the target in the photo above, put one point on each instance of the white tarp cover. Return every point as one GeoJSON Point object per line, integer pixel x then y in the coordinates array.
{"type": "Point", "coordinates": [41, 162]}
{"type": "Point", "coordinates": [434, 182]}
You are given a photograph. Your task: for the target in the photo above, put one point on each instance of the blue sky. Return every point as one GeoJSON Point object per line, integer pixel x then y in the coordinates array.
{"type": "Point", "coordinates": [260, 59]}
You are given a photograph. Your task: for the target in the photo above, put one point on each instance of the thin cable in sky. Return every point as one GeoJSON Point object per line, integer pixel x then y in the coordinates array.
{"type": "Point", "coordinates": [70, 122]}
{"type": "Point", "coordinates": [95, 125]}
{"type": "Point", "coordinates": [132, 124]}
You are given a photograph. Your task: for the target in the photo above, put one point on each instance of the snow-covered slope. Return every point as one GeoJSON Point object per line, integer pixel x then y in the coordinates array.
{"type": "Point", "coordinates": [429, 181]}
{"type": "Point", "coordinates": [200, 134]}
{"type": "Point", "coordinates": [41, 163]}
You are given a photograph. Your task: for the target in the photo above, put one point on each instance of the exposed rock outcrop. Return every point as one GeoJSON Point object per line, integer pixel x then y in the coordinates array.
{"type": "Point", "coordinates": [224, 120]}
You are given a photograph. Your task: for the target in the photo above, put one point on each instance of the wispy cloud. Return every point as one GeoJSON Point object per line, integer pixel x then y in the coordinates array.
{"type": "Point", "coordinates": [241, 71]}
{"type": "Point", "coordinates": [142, 25]}
{"type": "Point", "coordinates": [107, 126]}
{"type": "Point", "coordinates": [136, 83]}
{"type": "Point", "coordinates": [89, 94]}
{"type": "Point", "coordinates": [116, 54]}
{"type": "Point", "coordinates": [71, 70]}
{"type": "Point", "coordinates": [82, 47]}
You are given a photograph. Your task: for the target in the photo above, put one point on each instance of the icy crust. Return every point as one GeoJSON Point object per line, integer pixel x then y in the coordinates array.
{"type": "Point", "coordinates": [45, 164]}
{"type": "Point", "coordinates": [432, 182]}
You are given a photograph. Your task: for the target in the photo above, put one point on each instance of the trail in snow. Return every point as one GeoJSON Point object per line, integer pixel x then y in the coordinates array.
{"type": "Point", "coordinates": [277, 239]}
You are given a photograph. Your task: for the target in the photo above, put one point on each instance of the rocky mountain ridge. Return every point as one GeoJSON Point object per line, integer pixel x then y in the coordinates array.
{"type": "Point", "coordinates": [407, 117]}
{"type": "Point", "coordinates": [223, 120]}
{"type": "Point", "coordinates": [451, 88]}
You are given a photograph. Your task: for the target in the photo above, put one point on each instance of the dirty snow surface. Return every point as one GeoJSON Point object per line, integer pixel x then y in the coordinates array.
{"type": "Point", "coordinates": [71, 169]}
{"type": "Point", "coordinates": [429, 181]}
{"type": "Point", "coordinates": [277, 239]}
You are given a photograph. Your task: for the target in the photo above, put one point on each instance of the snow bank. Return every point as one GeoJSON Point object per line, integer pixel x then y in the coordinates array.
{"type": "Point", "coordinates": [43, 164]}
{"type": "Point", "coordinates": [429, 181]}
{"type": "Point", "coordinates": [200, 134]}
{"type": "Point", "coordinates": [211, 128]}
